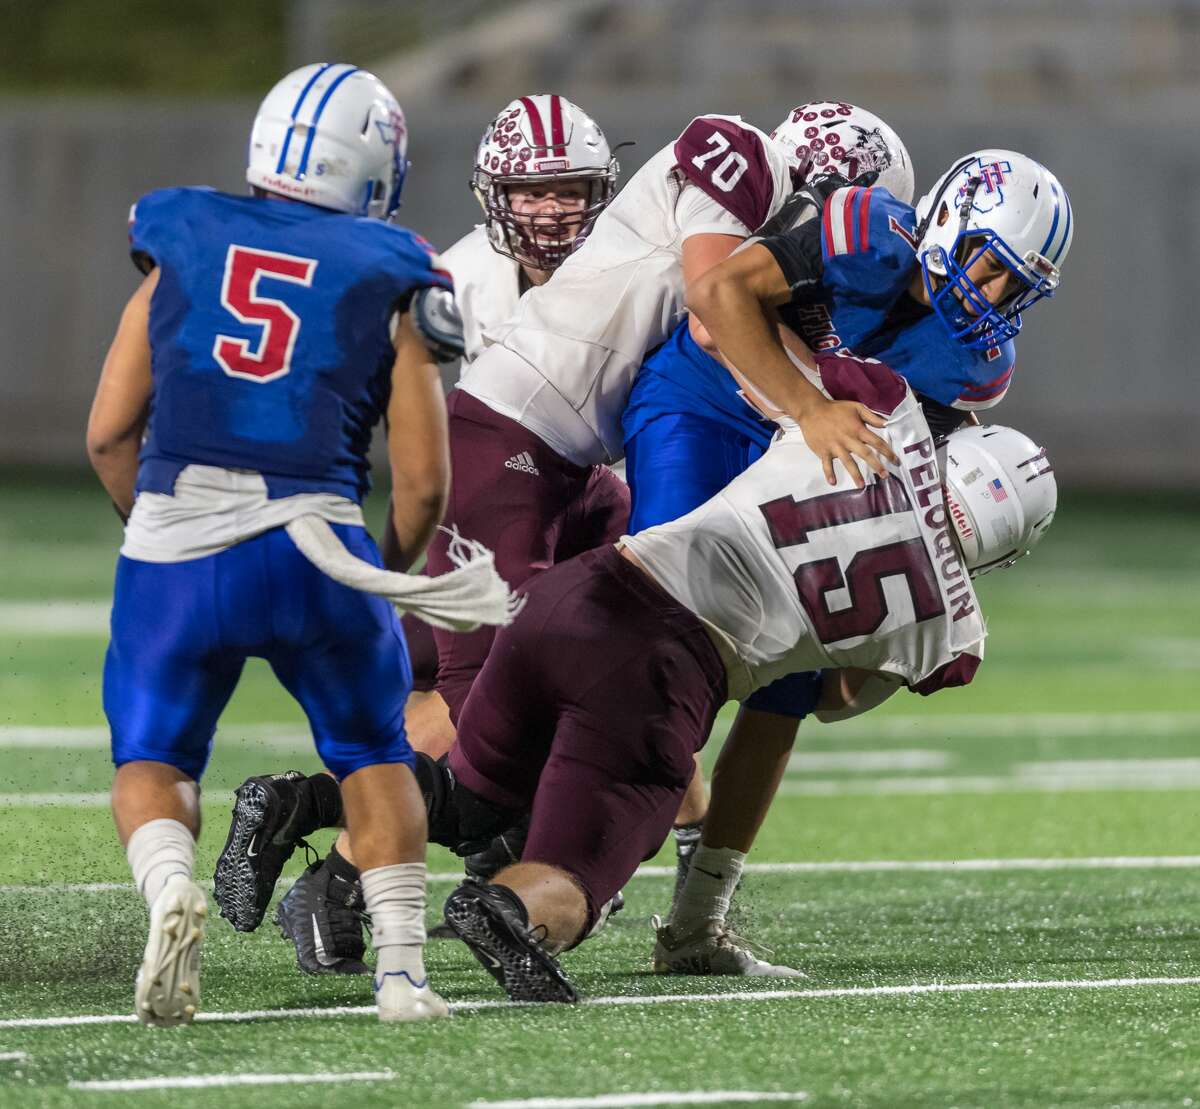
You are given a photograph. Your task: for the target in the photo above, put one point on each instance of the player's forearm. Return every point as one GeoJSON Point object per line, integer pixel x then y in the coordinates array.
{"type": "Point", "coordinates": [414, 519]}
{"type": "Point", "coordinates": [745, 778]}
{"type": "Point", "coordinates": [740, 327]}
{"type": "Point", "coordinates": [116, 465]}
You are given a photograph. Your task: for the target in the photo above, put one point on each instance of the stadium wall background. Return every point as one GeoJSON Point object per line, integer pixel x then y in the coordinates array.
{"type": "Point", "coordinates": [1106, 375]}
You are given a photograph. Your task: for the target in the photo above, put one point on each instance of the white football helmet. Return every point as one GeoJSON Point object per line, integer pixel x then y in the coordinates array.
{"type": "Point", "coordinates": [333, 135]}
{"type": "Point", "coordinates": [998, 201]}
{"type": "Point", "coordinates": [831, 137]}
{"type": "Point", "coordinates": [539, 138]}
{"type": "Point", "coordinates": [1000, 493]}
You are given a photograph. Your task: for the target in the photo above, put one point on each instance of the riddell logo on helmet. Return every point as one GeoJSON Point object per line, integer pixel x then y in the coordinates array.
{"type": "Point", "coordinates": [960, 518]}
{"type": "Point", "coordinates": [550, 165]}
{"type": "Point", "coordinates": [277, 184]}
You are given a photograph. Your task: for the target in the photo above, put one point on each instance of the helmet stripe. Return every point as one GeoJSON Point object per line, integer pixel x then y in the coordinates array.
{"type": "Point", "coordinates": [535, 121]}
{"type": "Point", "coordinates": [312, 127]}
{"type": "Point", "coordinates": [556, 127]}
{"type": "Point", "coordinates": [1066, 230]}
{"type": "Point", "coordinates": [287, 139]}
{"type": "Point", "coordinates": [1045, 251]}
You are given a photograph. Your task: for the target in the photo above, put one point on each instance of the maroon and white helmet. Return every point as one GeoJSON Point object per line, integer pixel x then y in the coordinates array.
{"type": "Point", "coordinates": [833, 137]}
{"type": "Point", "coordinates": [539, 138]}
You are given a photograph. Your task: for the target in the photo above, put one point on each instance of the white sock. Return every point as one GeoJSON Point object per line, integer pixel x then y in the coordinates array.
{"type": "Point", "coordinates": [156, 851]}
{"type": "Point", "coordinates": [712, 877]}
{"type": "Point", "coordinates": [395, 897]}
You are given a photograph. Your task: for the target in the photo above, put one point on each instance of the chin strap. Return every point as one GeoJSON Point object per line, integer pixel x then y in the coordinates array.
{"type": "Point", "coordinates": [469, 595]}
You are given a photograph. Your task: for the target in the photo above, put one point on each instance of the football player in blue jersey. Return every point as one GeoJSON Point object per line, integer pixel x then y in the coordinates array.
{"type": "Point", "coordinates": [689, 428]}
{"type": "Point", "coordinates": [936, 293]}
{"type": "Point", "coordinates": [232, 418]}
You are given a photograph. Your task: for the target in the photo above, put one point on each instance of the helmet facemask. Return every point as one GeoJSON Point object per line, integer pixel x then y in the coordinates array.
{"type": "Point", "coordinates": [971, 317]}
{"type": "Point", "coordinates": [542, 240]}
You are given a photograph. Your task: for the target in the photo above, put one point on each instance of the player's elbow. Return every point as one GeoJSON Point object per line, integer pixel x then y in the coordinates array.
{"type": "Point", "coordinates": [703, 295]}
{"type": "Point", "coordinates": [102, 444]}
{"type": "Point", "coordinates": [421, 492]}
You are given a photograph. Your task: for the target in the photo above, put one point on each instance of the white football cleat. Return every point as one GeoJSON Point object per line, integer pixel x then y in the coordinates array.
{"type": "Point", "coordinates": [711, 948]}
{"type": "Point", "coordinates": [399, 998]}
{"type": "Point", "coordinates": [168, 981]}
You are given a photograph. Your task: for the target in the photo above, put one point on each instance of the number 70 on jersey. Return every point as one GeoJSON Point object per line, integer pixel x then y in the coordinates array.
{"type": "Point", "coordinates": [726, 173]}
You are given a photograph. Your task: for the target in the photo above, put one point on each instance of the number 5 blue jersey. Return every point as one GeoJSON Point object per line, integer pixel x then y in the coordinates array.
{"type": "Point", "coordinates": [270, 336]}
{"type": "Point", "coordinates": [850, 272]}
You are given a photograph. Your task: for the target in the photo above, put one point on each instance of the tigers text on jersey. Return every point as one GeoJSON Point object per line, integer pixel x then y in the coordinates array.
{"type": "Point", "coordinates": [269, 332]}
{"type": "Point", "coordinates": [563, 364]}
{"type": "Point", "coordinates": [850, 278]}
{"type": "Point", "coordinates": [487, 286]}
{"type": "Point", "coordinates": [797, 577]}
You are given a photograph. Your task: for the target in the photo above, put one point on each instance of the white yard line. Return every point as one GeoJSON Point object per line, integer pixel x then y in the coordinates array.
{"type": "Point", "coordinates": [13, 1056]}
{"type": "Point", "coordinates": [1064, 725]}
{"type": "Point", "coordinates": [208, 1081]}
{"type": "Point", "coordinates": [285, 737]}
{"type": "Point", "coordinates": [833, 866]}
{"type": "Point", "coordinates": [814, 762]}
{"type": "Point", "coordinates": [742, 996]}
{"type": "Point", "coordinates": [1135, 780]}
{"type": "Point", "coordinates": [57, 617]}
{"type": "Point", "coordinates": [664, 1097]}
{"type": "Point", "coordinates": [1100, 776]}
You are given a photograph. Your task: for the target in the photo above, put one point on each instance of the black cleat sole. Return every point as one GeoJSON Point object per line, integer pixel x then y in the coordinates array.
{"type": "Point", "coordinates": [523, 970]}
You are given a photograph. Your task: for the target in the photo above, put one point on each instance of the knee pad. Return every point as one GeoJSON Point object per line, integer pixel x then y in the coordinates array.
{"type": "Point", "coordinates": [458, 817]}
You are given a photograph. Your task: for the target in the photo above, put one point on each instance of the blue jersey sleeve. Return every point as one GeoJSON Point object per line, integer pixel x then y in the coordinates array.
{"type": "Point", "coordinates": [414, 262]}
{"type": "Point", "coordinates": [987, 379]}
{"type": "Point", "coordinates": [868, 244]}
{"type": "Point", "coordinates": [157, 224]}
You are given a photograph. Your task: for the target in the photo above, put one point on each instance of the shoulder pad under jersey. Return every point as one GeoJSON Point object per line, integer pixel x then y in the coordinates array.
{"type": "Point", "coordinates": [868, 242]}
{"type": "Point", "coordinates": [730, 163]}
{"type": "Point", "coordinates": [159, 219]}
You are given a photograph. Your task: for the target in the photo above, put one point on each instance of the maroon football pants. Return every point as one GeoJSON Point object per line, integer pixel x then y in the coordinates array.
{"type": "Point", "coordinates": [589, 711]}
{"type": "Point", "coordinates": [525, 502]}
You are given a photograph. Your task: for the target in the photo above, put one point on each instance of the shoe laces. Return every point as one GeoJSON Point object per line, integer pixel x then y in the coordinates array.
{"type": "Point", "coordinates": [726, 937]}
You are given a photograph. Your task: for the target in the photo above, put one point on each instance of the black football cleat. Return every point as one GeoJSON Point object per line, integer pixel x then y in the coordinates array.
{"type": "Point", "coordinates": [493, 923]}
{"type": "Point", "coordinates": [322, 916]}
{"type": "Point", "coordinates": [261, 839]}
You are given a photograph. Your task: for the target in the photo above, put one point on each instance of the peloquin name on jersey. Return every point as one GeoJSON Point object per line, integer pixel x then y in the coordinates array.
{"type": "Point", "coordinates": [927, 483]}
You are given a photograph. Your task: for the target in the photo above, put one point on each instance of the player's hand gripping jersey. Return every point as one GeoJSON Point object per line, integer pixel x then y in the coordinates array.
{"type": "Point", "coordinates": [794, 577]}
{"type": "Point", "coordinates": [850, 273]}
{"type": "Point", "coordinates": [257, 365]}
{"type": "Point", "coordinates": [563, 364]}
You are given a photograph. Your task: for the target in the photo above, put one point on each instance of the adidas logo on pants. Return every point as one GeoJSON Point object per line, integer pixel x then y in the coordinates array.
{"type": "Point", "coordinates": [524, 463]}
